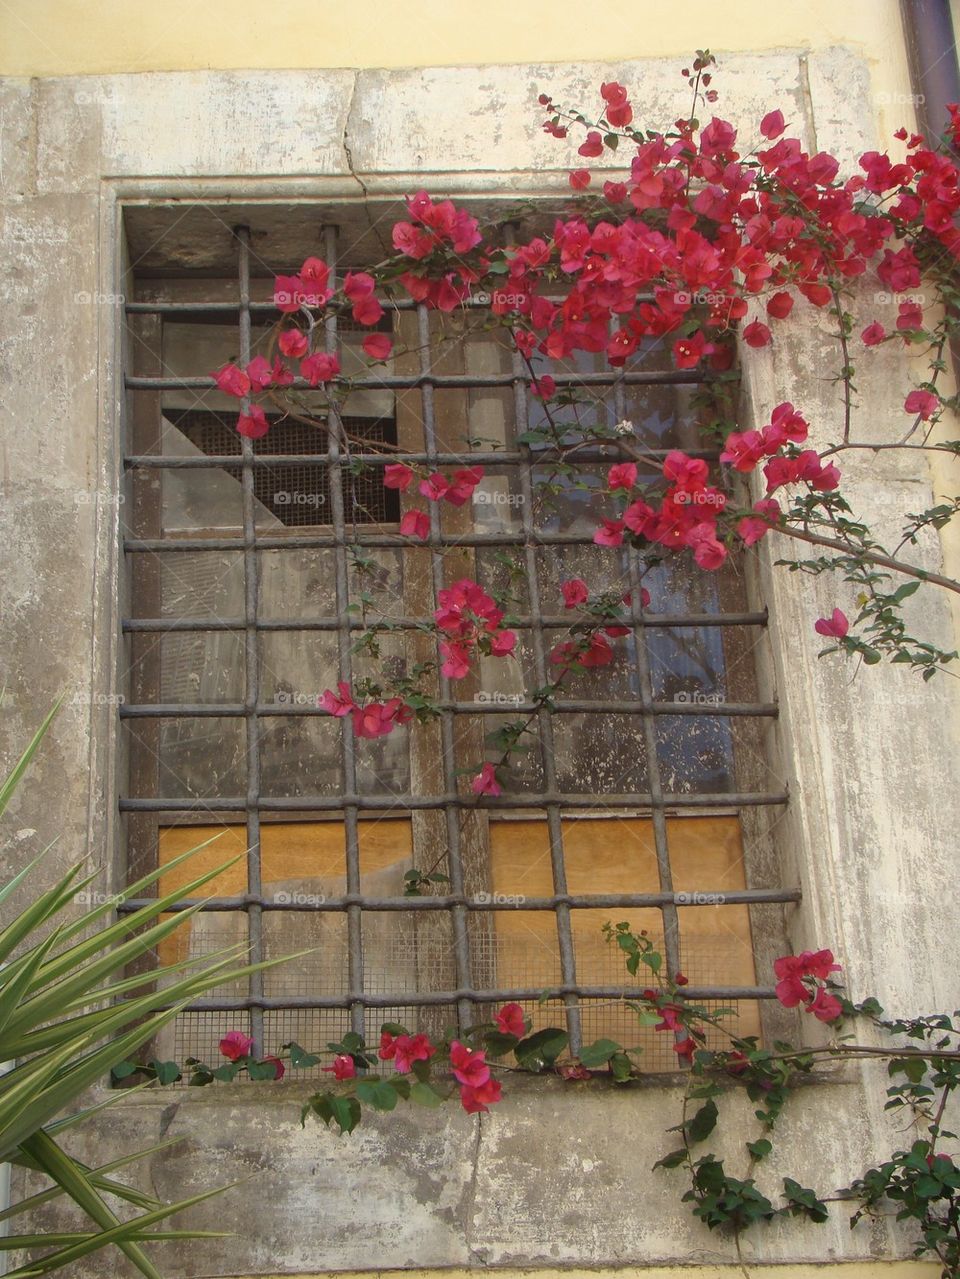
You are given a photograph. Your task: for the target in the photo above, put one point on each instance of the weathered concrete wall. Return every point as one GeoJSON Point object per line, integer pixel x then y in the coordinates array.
{"type": "Point", "coordinates": [551, 1178]}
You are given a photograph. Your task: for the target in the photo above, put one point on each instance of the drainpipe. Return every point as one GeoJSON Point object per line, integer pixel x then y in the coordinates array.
{"type": "Point", "coordinates": [935, 77]}
{"type": "Point", "coordinates": [932, 55]}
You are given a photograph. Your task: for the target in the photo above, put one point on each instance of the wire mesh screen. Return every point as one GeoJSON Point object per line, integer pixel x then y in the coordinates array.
{"type": "Point", "coordinates": [297, 494]}
{"type": "Point", "coordinates": [644, 792]}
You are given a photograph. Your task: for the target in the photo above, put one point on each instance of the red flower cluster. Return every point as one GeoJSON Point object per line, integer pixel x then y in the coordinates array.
{"type": "Point", "coordinates": [478, 1089]}
{"type": "Point", "coordinates": [438, 228]}
{"type": "Point", "coordinates": [801, 977]}
{"type": "Point", "coordinates": [373, 719]}
{"type": "Point", "coordinates": [470, 621]}
{"type": "Point", "coordinates": [404, 1050]}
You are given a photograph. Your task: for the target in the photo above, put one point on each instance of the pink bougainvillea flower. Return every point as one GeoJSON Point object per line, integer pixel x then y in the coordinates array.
{"type": "Point", "coordinates": [825, 1007]}
{"type": "Point", "coordinates": [434, 487]}
{"type": "Point", "coordinates": [580, 179]}
{"type": "Point", "coordinates": [610, 533]}
{"type": "Point", "coordinates": [873, 334]}
{"type": "Point", "coordinates": [757, 334]}
{"type": "Point", "coordinates": [340, 703]}
{"type": "Point", "coordinates": [753, 527]}
{"type": "Point", "coordinates": [574, 592]}
{"type": "Point", "coordinates": [358, 284]}
{"type": "Point", "coordinates": [415, 524]}
{"type": "Point", "coordinates": [288, 293]}
{"type": "Point", "coordinates": [279, 1069]}
{"type": "Point", "coordinates": [396, 475]}
{"type": "Point", "coordinates": [481, 1097]}
{"type": "Point", "coordinates": [232, 381]}
{"type": "Point", "coordinates": [344, 1067]}
{"type": "Point", "coordinates": [688, 473]}
{"type": "Point", "coordinates": [367, 310]}
{"type": "Point", "coordinates": [743, 450]}
{"type": "Point", "coordinates": [462, 485]}
{"type": "Point", "coordinates": [404, 1050]}
{"type": "Point", "coordinates": [923, 403]}
{"type": "Point", "coordinates": [468, 1065]}
{"type": "Point", "coordinates": [279, 373]}
{"type": "Point", "coordinates": [684, 1048]}
{"type": "Point", "coordinates": [456, 661]}
{"type": "Point", "coordinates": [780, 305]}
{"type": "Point", "coordinates": [510, 1020]}
{"type": "Point", "coordinates": [320, 368]}
{"type": "Point", "coordinates": [792, 971]}
{"type": "Point", "coordinates": [485, 782]}
{"type": "Point", "coordinates": [622, 475]}
{"type": "Point", "coordinates": [260, 372]}
{"type": "Point", "coordinates": [834, 627]}
{"type": "Point", "coordinates": [235, 1045]}
{"type": "Point", "coordinates": [314, 276]}
{"type": "Point", "coordinates": [502, 643]}
{"type": "Point", "coordinates": [544, 387]}
{"type": "Point", "coordinates": [689, 351]}
{"type": "Point", "coordinates": [253, 424]}
{"type": "Point", "coordinates": [593, 146]}
{"type": "Point", "coordinates": [377, 719]}
{"type": "Point", "coordinates": [772, 125]}
{"type": "Point", "coordinates": [378, 346]}
{"type": "Point", "coordinates": [293, 343]}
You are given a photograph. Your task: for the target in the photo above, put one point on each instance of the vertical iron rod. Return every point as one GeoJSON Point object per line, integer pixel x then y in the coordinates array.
{"type": "Point", "coordinates": [344, 644]}
{"type": "Point", "coordinates": [458, 914]}
{"type": "Point", "coordinates": [251, 586]}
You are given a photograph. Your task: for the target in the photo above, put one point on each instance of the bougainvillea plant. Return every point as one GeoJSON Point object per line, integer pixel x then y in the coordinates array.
{"type": "Point", "coordinates": [694, 241]}
{"type": "Point", "coordinates": [919, 1184]}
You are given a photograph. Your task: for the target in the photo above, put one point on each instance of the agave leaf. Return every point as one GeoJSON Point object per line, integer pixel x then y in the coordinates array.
{"type": "Point", "coordinates": [38, 912]}
{"type": "Point", "coordinates": [72, 1080]}
{"type": "Point", "coordinates": [79, 953]}
{"type": "Point", "coordinates": [129, 1229]}
{"type": "Point", "coordinates": [45, 1005]}
{"type": "Point", "coordinates": [9, 786]}
{"type": "Point", "coordinates": [133, 890]}
{"type": "Point", "coordinates": [10, 1242]}
{"type": "Point", "coordinates": [12, 992]}
{"type": "Point", "coordinates": [98, 1176]}
{"type": "Point", "coordinates": [60, 1168]}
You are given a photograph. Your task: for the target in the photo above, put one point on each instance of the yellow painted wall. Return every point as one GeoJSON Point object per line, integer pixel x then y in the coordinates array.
{"type": "Point", "coordinates": [63, 37]}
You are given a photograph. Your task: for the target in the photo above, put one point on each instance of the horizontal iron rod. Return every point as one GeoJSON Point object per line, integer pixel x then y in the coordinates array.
{"type": "Point", "coordinates": [597, 901]}
{"type": "Point", "coordinates": [210, 461]}
{"type": "Point", "coordinates": [411, 1000]}
{"type": "Point", "coordinates": [480, 301]}
{"type": "Point", "coordinates": [237, 710]}
{"type": "Point", "coordinates": [455, 381]}
{"type": "Point", "coordinates": [401, 803]}
{"type": "Point", "coordinates": [666, 620]}
{"type": "Point", "coordinates": [318, 541]}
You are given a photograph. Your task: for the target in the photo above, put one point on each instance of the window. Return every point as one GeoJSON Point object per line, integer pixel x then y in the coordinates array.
{"type": "Point", "coordinates": [256, 569]}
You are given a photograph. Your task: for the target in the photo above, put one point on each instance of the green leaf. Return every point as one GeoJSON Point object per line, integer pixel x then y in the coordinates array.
{"type": "Point", "coordinates": [346, 1113]}
{"type": "Point", "coordinates": [621, 1067]}
{"type": "Point", "coordinates": [378, 1093]}
{"type": "Point", "coordinates": [599, 1052]}
{"type": "Point", "coordinates": [167, 1072]}
{"type": "Point", "coordinates": [703, 1122]}
{"type": "Point", "coordinates": [424, 1095]}
{"type": "Point", "coordinates": [673, 1160]}
{"type": "Point", "coordinates": [760, 1149]}
{"type": "Point", "coordinates": [542, 1048]}
{"type": "Point", "coordinates": [496, 1044]}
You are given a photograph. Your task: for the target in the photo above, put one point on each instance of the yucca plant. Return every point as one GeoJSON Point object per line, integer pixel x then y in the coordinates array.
{"type": "Point", "coordinates": [67, 1015]}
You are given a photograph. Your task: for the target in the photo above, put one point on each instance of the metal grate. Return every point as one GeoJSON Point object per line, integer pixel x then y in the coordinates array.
{"type": "Point", "coordinates": [298, 494]}
{"type": "Point", "coordinates": [463, 981]}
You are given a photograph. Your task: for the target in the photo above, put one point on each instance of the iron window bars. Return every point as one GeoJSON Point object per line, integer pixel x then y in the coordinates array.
{"type": "Point", "coordinates": [550, 800]}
